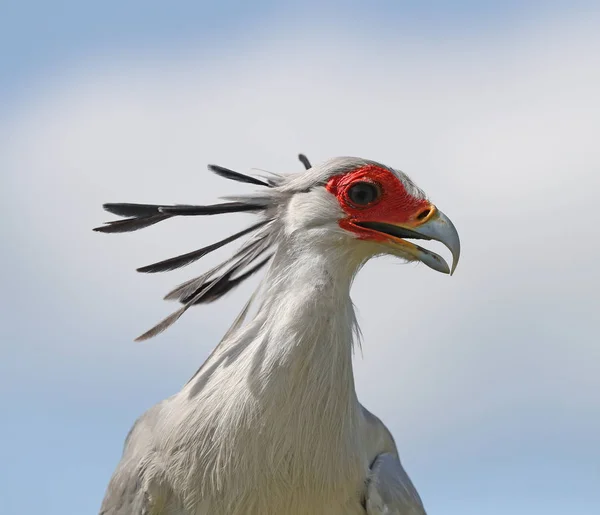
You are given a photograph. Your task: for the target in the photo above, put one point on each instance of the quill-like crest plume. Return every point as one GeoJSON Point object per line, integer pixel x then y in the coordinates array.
{"type": "Point", "coordinates": [253, 255]}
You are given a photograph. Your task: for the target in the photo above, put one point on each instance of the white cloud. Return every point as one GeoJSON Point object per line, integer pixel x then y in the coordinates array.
{"type": "Point", "coordinates": [501, 134]}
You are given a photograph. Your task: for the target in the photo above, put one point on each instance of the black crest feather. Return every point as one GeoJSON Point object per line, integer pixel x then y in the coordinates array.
{"type": "Point", "coordinates": [214, 209]}
{"type": "Point", "coordinates": [236, 176]}
{"type": "Point", "coordinates": [185, 259]}
{"type": "Point", "coordinates": [145, 215]}
{"type": "Point", "coordinates": [131, 224]}
{"type": "Point", "coordinates": [224, 284]}
{"type": "Point", "coordinates": [226, 276]}
{"type": "Point", "coordinates": [304, 160]}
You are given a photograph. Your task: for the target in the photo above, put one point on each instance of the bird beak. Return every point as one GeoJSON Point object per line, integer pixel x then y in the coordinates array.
{"type": "Point", "coordinates": [435, 226]}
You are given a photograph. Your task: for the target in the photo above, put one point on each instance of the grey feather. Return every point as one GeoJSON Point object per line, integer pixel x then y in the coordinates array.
{"type": "Point", "coordinates": [389, 489]}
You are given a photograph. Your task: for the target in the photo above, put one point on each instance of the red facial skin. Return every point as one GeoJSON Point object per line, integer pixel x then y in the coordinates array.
{"type": "Point", "coordinates": [394, 205]}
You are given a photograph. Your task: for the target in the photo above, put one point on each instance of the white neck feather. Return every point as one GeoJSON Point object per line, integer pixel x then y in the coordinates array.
{"type": "Point", "coordinates": [277, 396]}
{"type": "Point", "coordinates": [307, 323]}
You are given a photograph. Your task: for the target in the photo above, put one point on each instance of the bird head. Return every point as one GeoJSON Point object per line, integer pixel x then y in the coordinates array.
{"type": "Point", "coordinates": [369, 206]}
{"type": "Point", "coordinates": [354, 204]}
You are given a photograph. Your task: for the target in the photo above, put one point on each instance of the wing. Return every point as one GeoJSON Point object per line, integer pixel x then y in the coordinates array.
{"type": "Point", "coordinates": [125, 494]}
{"type": "Point", "coordinates": [134, 488]}
{"type": "Point", "coordinates": [389, 489]}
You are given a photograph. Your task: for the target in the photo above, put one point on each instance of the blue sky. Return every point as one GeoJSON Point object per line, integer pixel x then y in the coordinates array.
{"type": "Point", "coordinates": [37, 38]}
{"type": "Point", "coordinates": [491, 108]}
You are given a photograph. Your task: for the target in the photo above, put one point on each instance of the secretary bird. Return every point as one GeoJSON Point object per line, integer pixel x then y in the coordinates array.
{"type": "Point", "coordinates": [270, 424]}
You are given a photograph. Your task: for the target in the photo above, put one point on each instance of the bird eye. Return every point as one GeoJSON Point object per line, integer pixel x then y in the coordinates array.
{"type": "Point", "coordinates": [363, 193]}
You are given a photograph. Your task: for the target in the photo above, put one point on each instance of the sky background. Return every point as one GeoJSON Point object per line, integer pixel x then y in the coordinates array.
{"type": "Point", "coordinates": [489, 380]}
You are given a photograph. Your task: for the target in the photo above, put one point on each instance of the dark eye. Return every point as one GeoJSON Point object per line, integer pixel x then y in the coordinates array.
{"type": "Point", "coordinates": [363, 193]}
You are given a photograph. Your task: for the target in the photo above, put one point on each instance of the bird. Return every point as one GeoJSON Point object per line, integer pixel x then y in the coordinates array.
{"type": "Point", "coordinates": [271, 422]}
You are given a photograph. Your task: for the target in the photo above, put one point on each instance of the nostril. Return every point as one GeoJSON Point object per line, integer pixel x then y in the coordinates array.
{"type": "Point", "coordinates": [423, 214]}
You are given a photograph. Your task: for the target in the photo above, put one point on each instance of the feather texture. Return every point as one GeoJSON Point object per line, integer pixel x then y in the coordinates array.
{"type": "Point", "coordinates": [206, 293]}
{"type": "Point", "coordinates": [224, 284]}
{"type": "Point", "coordinates": [271, 423]}
{"type": "Point", "coordinates": [236, 176]}
{"type": "Point", "coordinates": [129, 209]}
{"type": "Point", "coordinates": [214, 209]}
{"type": "Point", "coordinates": [145, 215]}
{"type": "Point", "coordinates": [304, 160]}
{"type": "Point", "coordinates": [185, 259]}
{"type": "Point", "coordinates": [131, 224]}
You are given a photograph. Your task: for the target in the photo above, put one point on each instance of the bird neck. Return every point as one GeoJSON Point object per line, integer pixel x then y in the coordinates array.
{"type": "Point", "coordinates": [278, 392]}
{"type": "Point", "coordinates": [307, 325]}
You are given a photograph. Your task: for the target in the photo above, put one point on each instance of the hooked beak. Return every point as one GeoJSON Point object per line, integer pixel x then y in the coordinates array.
{"type": "Point", "coordinates": [436, 226]}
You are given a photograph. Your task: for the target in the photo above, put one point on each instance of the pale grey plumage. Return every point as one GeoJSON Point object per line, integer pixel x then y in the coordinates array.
{"type": "Point", "coordinates": [271, 423]}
